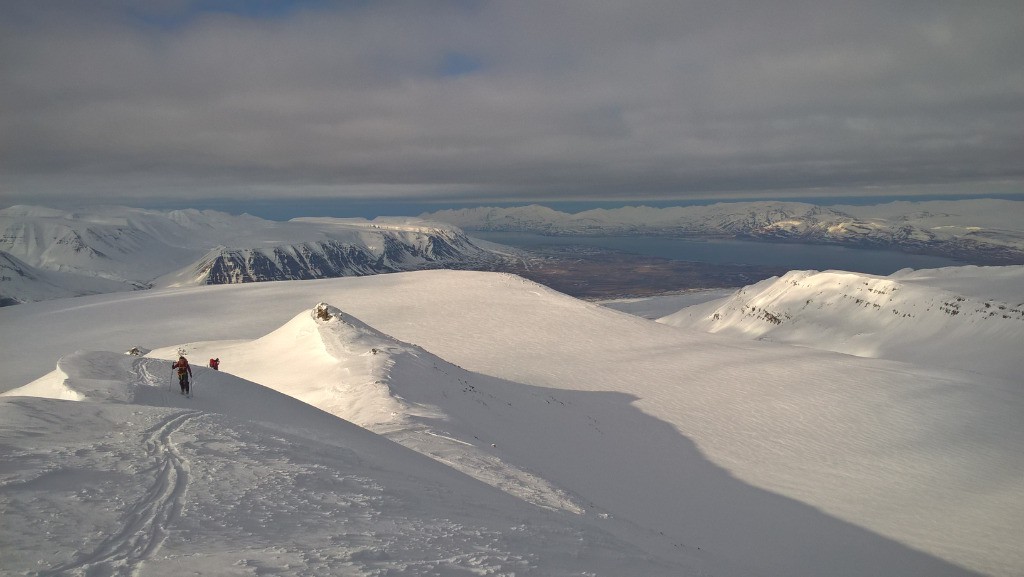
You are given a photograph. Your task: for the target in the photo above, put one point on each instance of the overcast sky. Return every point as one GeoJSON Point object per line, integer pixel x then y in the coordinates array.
{"type": "Point", "coordinates": [526, 100]}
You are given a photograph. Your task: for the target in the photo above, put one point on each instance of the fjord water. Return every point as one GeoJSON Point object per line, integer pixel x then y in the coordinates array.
{"type": "Point", "coordinates": [727, 251]}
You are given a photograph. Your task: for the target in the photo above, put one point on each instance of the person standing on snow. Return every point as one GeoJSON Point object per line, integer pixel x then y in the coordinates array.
{"type": "Point", "coordinates": [184, 373]}
{"type": "Point", "coordinates": [215, 364]}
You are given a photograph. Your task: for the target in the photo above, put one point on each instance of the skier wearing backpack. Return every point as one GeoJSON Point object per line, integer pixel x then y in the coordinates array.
{"type": "Point", "coordinates": [184, 373]}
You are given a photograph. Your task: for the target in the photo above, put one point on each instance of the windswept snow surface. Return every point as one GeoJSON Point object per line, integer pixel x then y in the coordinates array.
{"type": "Point", "coordinates": [600, 442]}
{"type": "Point", "coordinates": [654, 308]}
{"type": "Point", "coordinates": [137, 479]}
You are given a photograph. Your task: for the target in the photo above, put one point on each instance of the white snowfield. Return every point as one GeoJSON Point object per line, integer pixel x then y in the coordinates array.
{"type": "Point", "coordinates": [564, 438]}
{"type": "Point", "coordinates": [964, 315]}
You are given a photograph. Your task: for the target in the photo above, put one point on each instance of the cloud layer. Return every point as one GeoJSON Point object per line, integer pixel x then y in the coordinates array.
{"type": "Point", "coordinates": [527, 100]}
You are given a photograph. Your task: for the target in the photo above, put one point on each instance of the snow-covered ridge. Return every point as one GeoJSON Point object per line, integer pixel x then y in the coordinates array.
{"type": "Point", "coordinates": [241, 478]}
{"type": "Point", "coordinates": [353, 371]}
{"type": "Point", "coordinates": [975, 231]}
{"type": "Point", "coordinates": [382, 249]}
{"type": "Point", "coordinates": [685, 452]}
{"type": "Point", "coordinates": [128, 248]}
{"type": "Point", "coordinates": [956, 317]}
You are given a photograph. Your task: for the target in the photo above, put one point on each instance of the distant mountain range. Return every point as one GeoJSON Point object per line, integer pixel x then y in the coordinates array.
{"type": "Point", "coordinates": [46, 253]}
{"type": "Point", "coordinates": [973, 231]}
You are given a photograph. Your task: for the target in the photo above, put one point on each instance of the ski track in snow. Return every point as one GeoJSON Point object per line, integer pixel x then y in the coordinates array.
{"type": "Point", "coordinates": [146, 524]}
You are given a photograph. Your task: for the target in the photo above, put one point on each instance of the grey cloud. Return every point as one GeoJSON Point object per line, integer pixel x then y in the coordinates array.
{"type": "Point", "coordinates": [570, 98]}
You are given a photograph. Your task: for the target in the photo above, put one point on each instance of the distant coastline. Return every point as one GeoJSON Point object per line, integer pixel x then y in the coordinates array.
{"type": "Point", "coordinates": [282, 210]}
{"type": "Point", "coordinates": [787, 256]}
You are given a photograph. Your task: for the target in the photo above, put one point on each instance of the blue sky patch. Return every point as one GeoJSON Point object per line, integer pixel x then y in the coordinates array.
{"type": "Point", "coordinates": [459, 64]}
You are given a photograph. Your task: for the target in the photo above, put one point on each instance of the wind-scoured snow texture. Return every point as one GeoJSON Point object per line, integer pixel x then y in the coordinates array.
{"type": "Point", "coordinates": [52, 254]}
{"type": "Point", "coordinates": [974, 231]}
{"type": "Point", "coordinates": [241, 480]}
{"type": "Point", "coordinates": [957, 317]}
{"type": "Point", "coordinates": [710, 455]}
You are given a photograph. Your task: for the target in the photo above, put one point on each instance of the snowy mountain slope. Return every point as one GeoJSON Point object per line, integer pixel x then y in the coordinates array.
{"type": "Point", "coordinates": [361, 375]}
{"type": "Point", "coordinates": [111, 245]}
{"type": "Point", "coordinates": [984, 283]}
{"type": "Point", "coordinates": [979, 231]}
{"type": "Point", "coordinates": [654, 308]}
{"type": "Point", "coordinates": [140, 248]}
{"type": "Point", "coordinates": [21, 283]}
{"type": "Point", "coordinates": [957, 217]}
{"type": "Point", "coordinates": [910, 316]}
{"type": "Point", "coordinates": [347, 249]}
{"type": "Point", "coordinates": [773, 460]}
{"type": "Point", "coordinates": [441, 410]}
{"type": "Point", "coordinates": [135, 479]}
